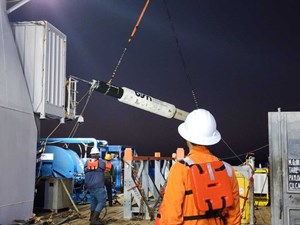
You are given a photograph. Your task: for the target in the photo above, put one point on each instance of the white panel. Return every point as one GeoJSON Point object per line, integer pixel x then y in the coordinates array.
{"type": "Point", "coordinates": [42, 50]}
{"type": "Point", "coordinates": [260, 183]}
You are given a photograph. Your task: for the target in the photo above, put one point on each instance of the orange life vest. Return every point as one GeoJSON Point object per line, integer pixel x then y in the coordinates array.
{"type": "Point", "coordinates": [210, 187]}
{"type": "Point", "coordinates": [92, 164]}
{"type": "Point", "coordinates": [210, 184]}
{"type": "Point", "coordinates": [108, 167]}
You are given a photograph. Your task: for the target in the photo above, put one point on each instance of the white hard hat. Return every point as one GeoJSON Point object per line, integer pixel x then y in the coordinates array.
{"type": "Point", "coordinates": [95, 150]}
{"type": "Point", "coordinates": [200, 128]}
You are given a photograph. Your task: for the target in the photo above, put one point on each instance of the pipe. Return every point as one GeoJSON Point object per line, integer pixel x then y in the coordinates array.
{"type": "Point", "coordinates": [74, 141]}
{"type": "Point", "coordinates": [16, 6]}
{"type": "Point", "coordinates": [139, 100]}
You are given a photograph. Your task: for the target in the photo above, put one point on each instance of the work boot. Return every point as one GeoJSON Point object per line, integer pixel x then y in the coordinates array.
{"type": "Point", "coordinates": [95, 219]}
{"type": "Point", "coordinates": [91, 215]}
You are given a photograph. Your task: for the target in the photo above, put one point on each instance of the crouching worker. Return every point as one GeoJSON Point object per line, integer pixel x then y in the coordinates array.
{"type": "Point", "coordinates": [94, 182]}
{"type": "Point", "coordinates": [201, 189]}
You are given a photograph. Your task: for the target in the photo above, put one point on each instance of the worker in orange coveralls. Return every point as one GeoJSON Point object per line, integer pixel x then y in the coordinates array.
{"type": "Point", "coordinates": [179, 205]}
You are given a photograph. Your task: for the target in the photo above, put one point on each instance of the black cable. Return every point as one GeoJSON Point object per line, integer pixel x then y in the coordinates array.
{"type": "Point", "coordinates": [181, 55]}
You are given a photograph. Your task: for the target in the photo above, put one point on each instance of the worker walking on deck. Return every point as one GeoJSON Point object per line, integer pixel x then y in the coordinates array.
{"type": "Point", "coordinates": [94, 182]}
{"type": "Point", "coordinates": [201, 189]}
{"type": "Point", "coordinates": [109, 177]}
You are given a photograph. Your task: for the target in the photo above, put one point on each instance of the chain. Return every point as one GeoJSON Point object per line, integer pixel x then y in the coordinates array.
{"type": "Point", "coordinates": [181, 55]}
{"type": "Point", "coordinates": [117, 67]}
{"type": "Point", "coordinates": [113, 75]}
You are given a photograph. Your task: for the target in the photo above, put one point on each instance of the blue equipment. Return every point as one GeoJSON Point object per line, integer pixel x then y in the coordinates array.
{"type": "Point", "coordinates": [59, 161]}
{"type": "Point", "coordinates": [63, 162]}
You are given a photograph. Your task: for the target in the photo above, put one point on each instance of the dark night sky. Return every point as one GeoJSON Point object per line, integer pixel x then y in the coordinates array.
{"type": "Point", "coordinates": [242, 58]}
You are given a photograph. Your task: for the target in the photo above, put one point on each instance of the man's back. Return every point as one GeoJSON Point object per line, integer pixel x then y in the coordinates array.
{"type": "Point", "coordinates": [94, 178]}
{"type": "Point", "coordinates": [179, 206]}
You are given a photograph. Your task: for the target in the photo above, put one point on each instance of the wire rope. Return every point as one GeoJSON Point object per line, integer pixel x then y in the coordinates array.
{"type": "Point", "coordinates": [128, 42]}
{"type": "Point", "coordinates": [258, 149]}
{"type": "Point", "coordinates": [179, 49]}
{"type": "Point", "coordinates": [236, 156]}
{"type": "Point", "coordinates": [181, 55]}
{"type": "Point", "coordinates": [90, 92]}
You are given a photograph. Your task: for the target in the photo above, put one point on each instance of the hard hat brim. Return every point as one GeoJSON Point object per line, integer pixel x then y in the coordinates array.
{"type": "Point", "coordinates": [196, 139]}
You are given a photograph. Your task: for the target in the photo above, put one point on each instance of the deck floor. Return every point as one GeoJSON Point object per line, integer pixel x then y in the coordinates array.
{"type": "Point", "coordinates": [262, 215]}
{"type": "Point", "coordinates": [114, 216]}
